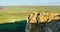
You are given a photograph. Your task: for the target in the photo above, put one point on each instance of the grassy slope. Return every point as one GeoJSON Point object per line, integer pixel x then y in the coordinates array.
{"type": "Point", "coordinates": [11, 14]}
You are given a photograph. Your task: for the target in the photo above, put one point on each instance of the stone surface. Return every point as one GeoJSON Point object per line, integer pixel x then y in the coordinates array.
{"type": "Point", "coordinates": [43, 22]}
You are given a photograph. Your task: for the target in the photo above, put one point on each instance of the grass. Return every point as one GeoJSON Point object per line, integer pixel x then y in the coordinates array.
{"type": "Point", "coordinates": [13, 18]}
{"type": "Point", "coordinates": [13, 27]}
{"type": "Point", "coordinates": [16, 13]}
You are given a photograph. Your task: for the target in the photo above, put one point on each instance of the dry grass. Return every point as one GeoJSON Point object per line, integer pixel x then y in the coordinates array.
{"type": "Point", "coordinates": [16, 12]}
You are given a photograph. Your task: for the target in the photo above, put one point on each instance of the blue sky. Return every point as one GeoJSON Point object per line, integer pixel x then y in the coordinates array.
{"type": "Point", "coordinates": [29, 2]}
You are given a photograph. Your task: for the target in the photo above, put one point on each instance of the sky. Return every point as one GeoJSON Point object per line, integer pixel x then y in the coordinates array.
{"type": "Point", "coordinates": [29, 2]}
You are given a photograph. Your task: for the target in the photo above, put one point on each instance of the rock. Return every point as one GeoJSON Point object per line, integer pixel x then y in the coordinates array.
{"type": "Point", "coordinates": [43, 22]}
{"type": "Point", "coordinates": [43, 17]}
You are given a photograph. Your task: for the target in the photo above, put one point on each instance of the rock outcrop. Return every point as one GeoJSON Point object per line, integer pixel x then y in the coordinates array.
{"type": "Point", "coordinates": [43, 22]}
{"type": "Point", "coordinates": [42, 17]}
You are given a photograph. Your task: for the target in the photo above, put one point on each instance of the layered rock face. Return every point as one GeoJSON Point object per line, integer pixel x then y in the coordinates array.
{"type": "Point", "coordinates": [43, 22]}
{"type": "Point", "coordinates": [42, 17]}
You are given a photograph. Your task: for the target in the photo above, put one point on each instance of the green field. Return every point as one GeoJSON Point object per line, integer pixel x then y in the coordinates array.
{"type": "Point", "coordinates": [16, 13]}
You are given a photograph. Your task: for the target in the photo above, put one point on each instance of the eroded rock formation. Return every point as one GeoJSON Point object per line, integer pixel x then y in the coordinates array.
{"type": "Point", "coordinates": [42, 17]}
{"type": "Point", "coordinates": [42, 22]}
